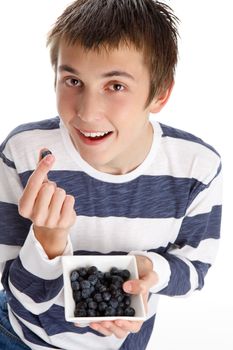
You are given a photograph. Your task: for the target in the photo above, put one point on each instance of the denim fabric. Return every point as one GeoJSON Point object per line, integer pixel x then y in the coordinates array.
{"type": "Point", "coordinates": [8, 338]}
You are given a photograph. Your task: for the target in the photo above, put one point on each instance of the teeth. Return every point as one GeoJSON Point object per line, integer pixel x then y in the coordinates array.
{"type": "Point", "coordinates": [94, 134]}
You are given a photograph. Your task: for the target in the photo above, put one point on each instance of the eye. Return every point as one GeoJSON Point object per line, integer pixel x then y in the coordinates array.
{"type": "Point", "coordinates": [117, 87]}
{"type": "Point", "coordinates": [73, 82]}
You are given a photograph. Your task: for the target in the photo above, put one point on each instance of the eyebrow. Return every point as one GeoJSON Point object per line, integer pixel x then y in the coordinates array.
{"type": "Point", "coordinates": [114, 73]}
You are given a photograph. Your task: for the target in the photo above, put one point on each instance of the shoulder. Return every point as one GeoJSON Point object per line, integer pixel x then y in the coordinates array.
{"type": "Point", "coordinates": [186, 155]}
{"type": "Point", "coordinates": [174, 133]}
{"type": "Point", "coordinates": [21, 130]}
{"type": "Point", "coordinates": [25, 141]}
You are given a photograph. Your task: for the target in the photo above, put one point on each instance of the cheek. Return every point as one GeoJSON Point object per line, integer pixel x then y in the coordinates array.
{"type": "Point", "coordinates": [121, 107]}
{"type": "Point", "coordinates": [63, 101]}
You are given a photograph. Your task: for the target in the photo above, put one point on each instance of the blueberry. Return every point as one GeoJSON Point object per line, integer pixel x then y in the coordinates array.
{"type": "Point", "coordinates": [91, 313]}
{"type": "Point", "coordinates": [106, 296]}
{"type": "Point", "coordinates": [45, 153]}
{"type": "Point", "coordinates": [119, 311]}
{"type": "Point", "coordinates": [113, 303]}
{"type": "Point", "coordinates": [86, 292]}
{"type": "Point", "coordinates": [100, 275]}
{"type": "Point", "coordinates": [102, 288]}
{"type": "Point", "coordinates": [75, 285]}
{"type": "Point", "coordinates": [102, 306]}
{"type": "Point", "coordinates": [85, 284]}
{"type": "Point", "coordinates": [125, 274]}
{"type": "Point", "coordinates": [98, 297]}
{"type": "Point", "coordinates": [93, 279]}
{"type": "Point", "coordinates": [121, 304]}
{"type": "Point", "coordinates": [100, 294]}
{"type": "Point", "coordinates": [127, 300]}
{"type": "Point", "coordinates": [129, 311]}
{"type": "Point", "coordinates": [77, 296]}
{"type": "Point", "coordinates": [114, 271]}
{"type": "Point", "coordinates": [113, 288]}
{"type": "Point", "coordinates": [92, 305]}
{"type": "Point", "coordinates": [81, 305]}
{"type": "Point", "coordinates": [82, 272]}
{"type": "Point", "coordinates": [119, 297]}
{"type": "Point", "coordinates": [92, 270]}
{"type": "Point", "coordinates": [110, 311]}
{"type": "Point", "coordinates": [107, 276]}
{"type": "Point", "coordinates": [117, 281]}
{"type": "Point", "coordinates": [74, 275]}
{"type": "Point", "coordinates": [80, 313]}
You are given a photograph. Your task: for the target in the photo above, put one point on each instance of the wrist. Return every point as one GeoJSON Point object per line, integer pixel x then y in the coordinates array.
{"type": "Point", "coordinates": [53, 241]}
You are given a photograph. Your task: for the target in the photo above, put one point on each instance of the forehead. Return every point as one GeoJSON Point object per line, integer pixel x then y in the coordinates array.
{"type": "Point", "coordinates": [124, 56]}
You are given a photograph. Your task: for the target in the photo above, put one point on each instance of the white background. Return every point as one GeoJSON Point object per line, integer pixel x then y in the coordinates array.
{"type": "Point", "coordinates": [201, 104]}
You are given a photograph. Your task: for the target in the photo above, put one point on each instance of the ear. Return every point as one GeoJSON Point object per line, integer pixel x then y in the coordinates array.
{"type": "Point", "coordinates": [160, 101]}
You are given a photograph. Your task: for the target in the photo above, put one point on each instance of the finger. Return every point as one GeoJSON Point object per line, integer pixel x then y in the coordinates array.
{"type": "Point", "coordinates": [141, 285]}
{"type": "Point", "coordinates": [43, 153]}
{"type": "Point", "coordinates": [41, 206]}
{"type": "Point", "coordinates": [68, 214]}
{"type": "Point", "coordinates": [114, 329]}
{"type": "Point", "coordinates": [55, 207]}
{"type": "Point", "coordinates": [34, 184]}
{"type": "Point", "coordinates": [99, 328]}
{"type": "Point", "coordinates": [129, 326]}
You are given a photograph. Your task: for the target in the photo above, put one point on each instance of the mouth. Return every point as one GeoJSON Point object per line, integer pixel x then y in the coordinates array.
{"type": "Point", "coordinates": [94, 137]}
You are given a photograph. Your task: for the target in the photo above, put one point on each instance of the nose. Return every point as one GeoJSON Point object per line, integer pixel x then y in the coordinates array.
{"type": "Point", "coordinates": [89, 107]}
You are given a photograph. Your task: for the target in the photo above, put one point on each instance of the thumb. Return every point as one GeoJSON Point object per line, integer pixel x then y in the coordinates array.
{"type": "Point", "coordinates": [134, 287]}
{"type": "Point", "coordinates": [141, 285]}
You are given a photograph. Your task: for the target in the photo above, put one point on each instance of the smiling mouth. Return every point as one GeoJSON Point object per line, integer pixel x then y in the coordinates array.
{"type": "Point", "coordinates": [94, 136]}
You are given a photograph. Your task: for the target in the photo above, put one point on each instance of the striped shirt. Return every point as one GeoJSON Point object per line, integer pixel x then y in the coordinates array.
{"type": "Point", "coordinates": [168, 208]}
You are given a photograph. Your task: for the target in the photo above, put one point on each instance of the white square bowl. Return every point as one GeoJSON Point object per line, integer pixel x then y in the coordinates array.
{"type": "Point", "coordinates": [104, 263]}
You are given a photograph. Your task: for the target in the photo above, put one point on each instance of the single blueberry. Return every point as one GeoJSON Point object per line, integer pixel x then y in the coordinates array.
{"type": "Point", "coordinates": [113, 303]}
{"type": "Point", "coordinates": [129, 311]}
{"type": "Point", "coordinates": [92, 305]}
{"type": "Point", "coordinates": [85, 284]}
{"type": "Point", "coordinates": [74, 275]}
{"type": "Point", "coordinates": [102, 306]}
{"type": "Point", "coordinates": [45, 153]}
{"type": "Point", "coordinates": [75, 285]}
{"type": "Point", "coordinates": [106, 296]}
{"type": "Point", "coordinates": [92, 270]}
{"type": "Point", "coordinates": [91, 313]}
{"type": "Point", "coordinates": [86, 292]}
{"type": "Point", "coordinates": [98, 297]}
{"type": "Point", "coordinates": [93, 279]}
{"type": "Point", "coordinates": [110, 311]}
{"type": "Point", "coordinates": [80, 313]}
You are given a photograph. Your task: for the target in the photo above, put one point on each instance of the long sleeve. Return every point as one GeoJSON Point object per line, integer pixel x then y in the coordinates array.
{"type": "Point", "coordinates": [27, 273]}
{"type": "Point", "coordinates": [182, 267]}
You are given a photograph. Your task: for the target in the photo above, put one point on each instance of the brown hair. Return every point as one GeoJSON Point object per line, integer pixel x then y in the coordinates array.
{"type": "Point", "coordinates": [149, 25]}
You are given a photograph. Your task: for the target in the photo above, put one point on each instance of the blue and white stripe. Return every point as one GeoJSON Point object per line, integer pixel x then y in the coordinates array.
{"type": "Point", "coordinates": [168, 209]}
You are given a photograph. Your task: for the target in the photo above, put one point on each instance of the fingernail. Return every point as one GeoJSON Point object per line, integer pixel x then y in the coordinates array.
{"type": "Point", "coordinates": [49, 159]}
{"type": "Point", "coordinates": [128, 287]}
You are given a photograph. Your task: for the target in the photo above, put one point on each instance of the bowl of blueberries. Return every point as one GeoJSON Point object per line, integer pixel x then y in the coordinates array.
{"type": "Point", "coordinates": [93, 289]}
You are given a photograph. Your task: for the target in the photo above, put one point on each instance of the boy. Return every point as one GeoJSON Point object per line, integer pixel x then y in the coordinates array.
{"type": "Point", "coordinates": [115, 183]}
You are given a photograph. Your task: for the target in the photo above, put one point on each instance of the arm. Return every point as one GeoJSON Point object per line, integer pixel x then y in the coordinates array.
{"type": "Point", "coordinates": [31, 267]}
{"type": "Point", "coordinates": [182, 268]}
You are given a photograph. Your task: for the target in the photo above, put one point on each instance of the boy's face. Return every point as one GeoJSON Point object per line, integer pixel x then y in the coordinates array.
{"type": "Point", "coordinates": [101, 93]}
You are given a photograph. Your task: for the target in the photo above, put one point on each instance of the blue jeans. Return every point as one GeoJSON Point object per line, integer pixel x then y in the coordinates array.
{"type": "Point", "coordinates": [9, 340]}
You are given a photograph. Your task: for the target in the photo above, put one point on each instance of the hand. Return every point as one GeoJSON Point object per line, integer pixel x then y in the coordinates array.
{"type": "Point", "coordinates": [49, 208]}
{"type": "Point", "coordinates": [147, 279]}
